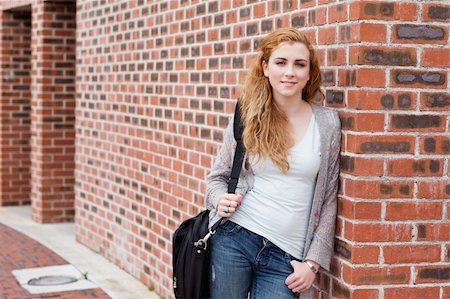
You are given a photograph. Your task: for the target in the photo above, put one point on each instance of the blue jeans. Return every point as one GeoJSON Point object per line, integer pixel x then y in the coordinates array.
{"type": "Point", "coordinates": [243, 262]}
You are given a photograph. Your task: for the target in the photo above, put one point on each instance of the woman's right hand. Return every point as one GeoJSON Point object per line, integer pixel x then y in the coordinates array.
{"type": "Point", "coordinates": [228, 204]}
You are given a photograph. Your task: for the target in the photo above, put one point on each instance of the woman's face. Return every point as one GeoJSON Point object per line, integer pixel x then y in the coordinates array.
{"type": "Point", "coordinates": [288, 70]}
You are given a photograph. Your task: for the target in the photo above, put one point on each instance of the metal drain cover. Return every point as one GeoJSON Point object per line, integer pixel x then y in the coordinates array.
{"type": "Point", "coordinates": [52, 280]}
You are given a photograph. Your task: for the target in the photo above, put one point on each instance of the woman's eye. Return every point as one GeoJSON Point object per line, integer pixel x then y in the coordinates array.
{"type": "Point", "coordinates": [300, 64]}
{"type": "Point", "coordinates": [279, 62]}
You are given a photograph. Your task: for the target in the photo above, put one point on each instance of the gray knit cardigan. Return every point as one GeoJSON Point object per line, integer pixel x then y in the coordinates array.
{"type": "Point", "coordinates": [322, 220]}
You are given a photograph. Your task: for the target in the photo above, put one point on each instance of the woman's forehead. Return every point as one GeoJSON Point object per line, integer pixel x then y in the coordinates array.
{"type": "Point", "coordinates": [291, 50]}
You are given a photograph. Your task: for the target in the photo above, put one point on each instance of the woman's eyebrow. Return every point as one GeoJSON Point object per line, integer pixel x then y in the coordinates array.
{"type": "Point", "coordinates": [301, 59]}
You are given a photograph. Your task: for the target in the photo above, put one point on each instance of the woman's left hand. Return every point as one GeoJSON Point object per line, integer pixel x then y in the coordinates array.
{"type": "Point", "coordinates": [301, 279]}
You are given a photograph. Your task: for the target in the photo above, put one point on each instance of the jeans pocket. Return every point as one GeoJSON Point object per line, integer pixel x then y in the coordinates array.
{"type": "Point", "coordinates": [229, 227]}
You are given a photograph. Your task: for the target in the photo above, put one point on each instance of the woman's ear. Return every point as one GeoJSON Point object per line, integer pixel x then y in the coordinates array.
{"type": "Point", "coordinates": [264, 68]}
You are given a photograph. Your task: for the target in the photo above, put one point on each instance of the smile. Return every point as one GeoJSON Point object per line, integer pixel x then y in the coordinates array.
{"type": "Point", "coordinates": [288, 82]}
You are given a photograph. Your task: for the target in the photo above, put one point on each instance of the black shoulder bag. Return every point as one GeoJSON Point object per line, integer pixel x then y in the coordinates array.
{"type": "Point", "coordinates": [190, 251]}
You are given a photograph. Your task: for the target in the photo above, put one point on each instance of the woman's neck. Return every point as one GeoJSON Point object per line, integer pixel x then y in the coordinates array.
{"type": "Point", "coordinates": [292, 108]}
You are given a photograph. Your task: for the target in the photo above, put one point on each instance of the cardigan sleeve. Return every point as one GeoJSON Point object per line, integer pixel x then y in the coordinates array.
{"type": "Point", "coordinates": [217, 179]}
{"type": "Point", "coordinates": [321, 248]}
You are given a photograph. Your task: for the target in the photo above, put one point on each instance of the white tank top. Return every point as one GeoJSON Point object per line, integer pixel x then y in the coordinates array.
{"type": "Point", "coordinates": [278, 206]}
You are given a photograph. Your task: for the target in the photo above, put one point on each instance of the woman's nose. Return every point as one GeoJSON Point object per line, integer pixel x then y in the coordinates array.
{"type": "Point", "coordinates": [289, 70]}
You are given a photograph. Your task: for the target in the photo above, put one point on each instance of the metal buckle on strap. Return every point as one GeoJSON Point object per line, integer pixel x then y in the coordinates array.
{"type": "Point", "coordinates": [203, 243]}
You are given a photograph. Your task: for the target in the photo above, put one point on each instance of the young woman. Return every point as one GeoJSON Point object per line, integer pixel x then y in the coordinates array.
{"type": "Point", "coordinates": [281, 221]}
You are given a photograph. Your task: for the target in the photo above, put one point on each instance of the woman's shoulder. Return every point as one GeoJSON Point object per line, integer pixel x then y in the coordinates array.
{"type": "Point", "coordinates": [327, 116]}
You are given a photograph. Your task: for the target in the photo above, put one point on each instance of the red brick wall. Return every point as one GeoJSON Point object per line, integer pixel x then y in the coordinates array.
{"type": "Point", "coordinates": [53, 111]}
{"type": "Point", "coordinates": [157, 81]}
{"type": "Point", "coordinates": [15, 99]}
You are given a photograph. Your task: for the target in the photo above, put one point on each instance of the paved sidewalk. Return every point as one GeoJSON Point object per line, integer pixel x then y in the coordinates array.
{"type": "Point", "coordinates": [26, 244]}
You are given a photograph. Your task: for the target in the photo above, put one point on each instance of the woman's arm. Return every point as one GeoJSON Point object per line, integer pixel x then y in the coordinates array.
{"type": "Point", "coordinates": [321, 248]}
{"type": "Point", "coordinates": [217, 179]}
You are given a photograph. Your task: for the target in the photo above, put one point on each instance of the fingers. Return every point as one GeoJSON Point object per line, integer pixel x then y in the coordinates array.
{"type": "Point", "coordinates": [301, 278]}
{"type": "Point", "coordinates": [228, 204]}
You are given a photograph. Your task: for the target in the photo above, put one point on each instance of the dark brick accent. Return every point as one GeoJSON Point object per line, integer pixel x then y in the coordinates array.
{"type": "Point", "coordinates": [334, 97]}
{"type": "Point", "coordinates": [387, 101]}
{"type": "Point", "coordinates": [430, 145]}
{"type": "Point", "coordinates": [435, 273]}
{"type": "Point", "coordinates": [341, 249]}
{"type": "Point", "coordinates": [408, 77]}
{"type": "Point", "coordinates": [252, 29]}
{"type": "Point", "coordinates": [382, 9]}
{"type": "Point", "coordinates": [425, 32]}
{"type": "Point", "coordinates": [435, 165]}
{"type": "Point", "coordinates": [386, 189]}
{"type": "Point", "coordinates": [404, 190]}
{"type": "Point", "coordinates": [437, 100]}
{"type": "Point", "coordinates": [445, 146]}
{"type": "Point", "coordinates": [244, 12]}
{"type": "Point", "coordinates": [347, 163]}
{"type": "Point", "coordinates": [378, 146]}
{"type": "Point", "coordinates": [298, 21]}
{"type": "Point", "coordinates": [347, 123]}
{"type": "Point", "coordinates": [404, 100]}
{"type": "Point", "coordinates": [328, 77]}
{"type": "Point", "coordinates": [266, 25]}
{"type": "Point", "coordinates": [416, 121]}
{"type": "Point", "coordinates": [422, 231]}
{"type": "Point", "coordinates": [340, 290]}
{"type": "Point", "coordinates": [439, 13]}
{"type": "Point", "coordinates": [380, 57]}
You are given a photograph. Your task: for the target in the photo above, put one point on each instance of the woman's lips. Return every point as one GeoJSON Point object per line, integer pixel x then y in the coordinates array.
{"type": "Point", "coordinates": [288, 83]}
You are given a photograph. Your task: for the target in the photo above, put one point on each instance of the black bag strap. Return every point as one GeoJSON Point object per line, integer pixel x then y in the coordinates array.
{"type": "Point", "coordinates": [238, 157]}
{"type": "Point", "coordinates": [239, 153]}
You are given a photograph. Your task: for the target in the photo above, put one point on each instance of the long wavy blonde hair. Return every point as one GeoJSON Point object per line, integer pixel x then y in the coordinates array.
{"type": "Point", "coordinates": [265, 125]}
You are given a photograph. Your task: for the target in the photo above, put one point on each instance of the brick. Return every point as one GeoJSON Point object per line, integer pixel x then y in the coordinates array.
{"type": "Point", "coordinates": [378, 232]}
{"type": "Point", "coordinates": [336, 56]}
{"type": "Point", "coordinates": [433, 189]}
{"type": "Point", "coordinates": [337, 13]}
{"type": "Point", "coordinates": [340, 290]}
{"type": "Point", "coordinates": [380, 144]}
{"type": "Point", "coordinates": [383, 10]}
{"type": "Point", "coordinates": [415, 167]}
{"type": "Point", "coordinates": [359, 210]}
{"type": "Point", "coordinates": [447, 253]}
{"type": "Point", "coordinates": [327, 36]}
{"type": "Point", "coordinates": [435, 57]}
{"type": "Point", "coordinates": [413, 211]}
{"type": "Point", "coordinates": [438, 101]}
{"type": "Point", "coordinates": [357, 254]}
{"type": "Point", "coordinates": [329, 78]}
{"type": "Point", "coordinates": [376, 275]}
{"type": "Point", "coordinates": [365, 293]}
{"type": "Point", "coordinates": [418, 79]}
{"type": "Point", "coordinates": [408, 33]}
{"type": "Point", "coordinates": [367, 32]}
{"type": "Point", "coordinates": [357, 122]}
{"type": "Point", "coordinates": [432, 273]}
{"type": "Point", "coordinates": [307, 3]}
{"type": "Point", "coordinates": [422, 122]}
{"type": "Point", "coordinates": [380, 100]}
{"type": "Point", "coordinates": [439, 145]}
{"type": "Point", "coordinates": [433, 231]}
{"type": "Point", "coordinates": [289, 6]}
{"type": "Point", "coordinates": [359, 166]}
{"type": "Point", "coordinates": [317, 16]}
{"type": "Point", "coordinates": [334, 98]}
{"type": "Point", "coordinates": [378, 189]}
{"type": "Point", "coordinates": [364, 55]}
{"type": "Point", "coordinates": [362, 77]}
{"type": "Point", "coordinates": [399, 254]}
{"type": "Point", "coordinates": [412, 292]}
{"type": "Point", "coordinates": [436, 12]}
